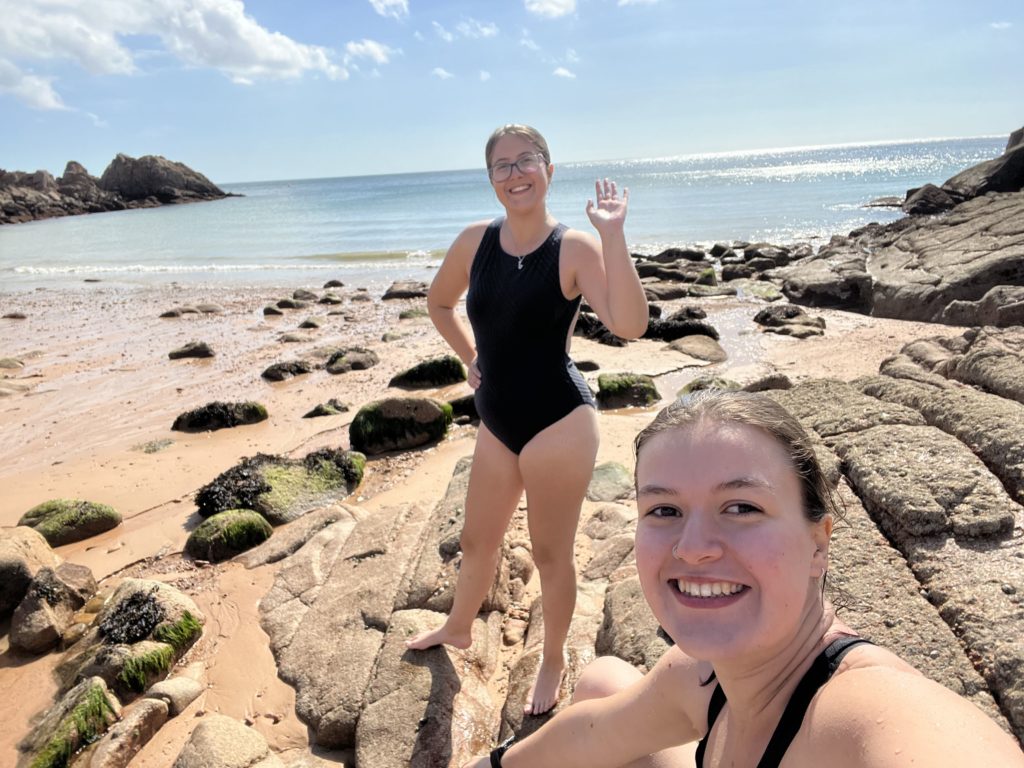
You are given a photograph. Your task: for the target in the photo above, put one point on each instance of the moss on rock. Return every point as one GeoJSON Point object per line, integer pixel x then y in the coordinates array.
{"type": "Point", "coordinates": [709, 382]}
{"type": "Point", "coordinates": [227, 534]}
{"type": "Point", "coordinates": [399, 423]}
{"type": "Point", "coordinates": [88, 718]}
{"type": "Point", "coordinates": [62, 521]}
{"type": "Point", "coordinates": [431, 373]}
{"type": "Point", "coordinates": [181, 634]}
{"type": "Point", "coordinates": [619, 390]}
{"type": "Point", "coordinates": [152, 664]}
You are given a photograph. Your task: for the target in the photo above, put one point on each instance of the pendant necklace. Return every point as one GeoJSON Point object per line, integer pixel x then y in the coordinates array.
{"type": "Point", "coordinates": [521, 260]}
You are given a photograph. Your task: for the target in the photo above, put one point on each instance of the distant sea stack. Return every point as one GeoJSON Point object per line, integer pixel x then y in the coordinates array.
{"type": "Point", "coordinates": [127, 182]}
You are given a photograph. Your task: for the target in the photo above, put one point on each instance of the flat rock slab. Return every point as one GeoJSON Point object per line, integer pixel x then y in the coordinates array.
{"type": "Point", "coordinates": [226, 743]}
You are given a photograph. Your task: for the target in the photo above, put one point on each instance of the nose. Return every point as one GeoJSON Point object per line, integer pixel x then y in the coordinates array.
{"type": "Point", "coordinates": [698, 541]}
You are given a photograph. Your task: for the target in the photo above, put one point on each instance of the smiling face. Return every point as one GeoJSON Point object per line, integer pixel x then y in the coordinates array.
{"type": "Point", "coordinates": [520, 191]}
{"type": "Point", "coordinates": [727, 558]}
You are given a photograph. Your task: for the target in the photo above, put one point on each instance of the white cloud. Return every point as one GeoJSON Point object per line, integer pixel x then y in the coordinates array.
{"type": "Point", "coordinates": [36, 92]}
{"type": "Point", "coordinates": [550, 9]}
{"type": "Point", "coordinates": [443, 33]}
{"type": "Point", "coordinates": [206, 34]}
{"type": "Point", "coordinates": [474, 29]}
{"type": "Point", "coordinates": [528, 42]}
{"type": "Point", "coordinates": [1001, 24]}
{"type": "Point", "coordinates": [571, 55]}
{"type": "Point", "coordinates": [368, 49]}
{"type": "Point", "coordinates": [441, 73]}
{"type": "Point", "coordinates": [563, 72]}
{"type": "Point", "coordinates": [396, 9]}
{"type": "Point", "coordinates": [484, 75]}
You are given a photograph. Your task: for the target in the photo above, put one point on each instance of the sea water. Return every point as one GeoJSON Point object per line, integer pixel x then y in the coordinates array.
{"type": "Point", "coordinates": [370, 230]}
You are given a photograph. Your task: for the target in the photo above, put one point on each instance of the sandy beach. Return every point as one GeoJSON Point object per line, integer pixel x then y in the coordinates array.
{"type": "Point", "coordinates": [89, 415]}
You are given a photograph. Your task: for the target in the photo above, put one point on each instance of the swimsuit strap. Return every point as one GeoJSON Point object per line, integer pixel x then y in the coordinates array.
{"type": "Point", "coordinates": [821, 670]}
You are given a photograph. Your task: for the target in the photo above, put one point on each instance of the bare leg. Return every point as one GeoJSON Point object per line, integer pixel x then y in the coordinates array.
{"type": "Point", "coordinates": [556, 467]}
{"type": "Point", "coordinates": [606, 675]}
{"type": "Point", "coordinates": [495, 487]}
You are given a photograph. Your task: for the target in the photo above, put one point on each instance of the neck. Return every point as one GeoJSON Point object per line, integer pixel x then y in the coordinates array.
{"type": "Point", "coordinates": [525, 231]}
{"type": "Point", "coordinates": [759, 689]}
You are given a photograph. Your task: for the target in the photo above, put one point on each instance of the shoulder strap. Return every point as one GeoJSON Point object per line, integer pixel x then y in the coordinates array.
{"type": "Point", "coordinates": [714, 707]}
{"type": "Point", "coordinates": [793, 716]}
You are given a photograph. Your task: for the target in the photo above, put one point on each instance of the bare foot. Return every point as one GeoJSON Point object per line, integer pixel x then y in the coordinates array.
{"type": "Point", "coordinates": [440, 636]}
{"type": "Point", "coordinates": [543, 693]}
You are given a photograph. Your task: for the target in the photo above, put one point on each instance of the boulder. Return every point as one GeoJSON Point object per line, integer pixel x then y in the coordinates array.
{"type": "Point", "coordinates": [610, 482]}
{"type": "Point", "coordinates": [928, 199]}
{"type": "Point", "coordinates": [708, 382]}
{"type": "Point", "coordinates": [701, 347]}
{"type": "Point", "coordinates": [351, 359]}
{"type": "Point", "coordinates": [332, 407]}
{"type": "Point", "coordinates": [621, 390]}
{"type": "Point", "coordinates": [226, 743]}
{"type": "Point", "coordinates": [138, 724]}
{"type": "Point", "coordinates": [399, 423]}
{"type": "Point", "coordinates": [192, 349]}
{"type": "Point", "coordinates": [671, 329]}
{"type": "Point", "coordinates": [227, 534]}
{"type": "Point", "coordinates": [437, 372]}
{"type": "Point", "coordinates": [406, 289]}
{"type": "Point", "coordinates": [789, 320]}
{"type": "Point", "coordinates": [219, 415]}
{"type": "Point", "coordinates": [79, 718]}
{"type": "Point", "coordinates": [48, 609]}
{"type": "Point", "coordinates": [283, 489]}
{"type": "Point", "coordinates": [176, 693]}
{"type": "Point", "coordinates": [1001, 174]}
{"type": "Point", "coordinates": [286, 370]}
{"type": "Point", "coordinates": [23, 551]}
{"type": "Point", "coordinates": [62, 521]}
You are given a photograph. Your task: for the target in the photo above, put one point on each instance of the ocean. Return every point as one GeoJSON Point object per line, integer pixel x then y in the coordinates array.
{"type": "Point", "coordinates": [370, 230]}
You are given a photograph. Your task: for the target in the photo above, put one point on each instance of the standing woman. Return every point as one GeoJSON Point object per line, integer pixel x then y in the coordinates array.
{"type": "Point", "coordinates": [526, 274]}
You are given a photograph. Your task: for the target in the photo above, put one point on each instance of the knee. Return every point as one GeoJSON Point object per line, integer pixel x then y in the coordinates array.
{"type": "Point", "coordinates": [549, 559]}
{"type": "Point", "coordinates": [476, 545]}
{"type": "Point", "coordinates": [604, 676]}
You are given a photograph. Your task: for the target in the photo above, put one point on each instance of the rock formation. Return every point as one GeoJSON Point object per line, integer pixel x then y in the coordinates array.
{"type": "Point", "coordinates": [126, 183]}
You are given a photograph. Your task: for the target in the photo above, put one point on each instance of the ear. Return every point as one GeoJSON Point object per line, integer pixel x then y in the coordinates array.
{"type": "Point", "coordinates": [821, 533]}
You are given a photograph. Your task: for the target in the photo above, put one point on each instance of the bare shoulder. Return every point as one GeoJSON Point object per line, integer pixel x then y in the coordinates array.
{"type": "Point", "coordinates": [468, 240]}
{"type": "Point", "coordinates": [877, 710]}
{"type": "Point", "coordinates": [580, 245]}
{"type": "Point", "coordinates": [678, 680]}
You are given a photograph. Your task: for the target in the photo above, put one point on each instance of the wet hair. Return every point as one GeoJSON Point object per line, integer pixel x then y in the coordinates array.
{"type": "Point", "coordinates": [532, 135]}
{"type": "Point", "coordinates": [760, 411]}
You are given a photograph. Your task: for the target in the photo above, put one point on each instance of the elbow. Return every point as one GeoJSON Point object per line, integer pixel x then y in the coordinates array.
{"type": "Point", "coordinates": [631, 330]}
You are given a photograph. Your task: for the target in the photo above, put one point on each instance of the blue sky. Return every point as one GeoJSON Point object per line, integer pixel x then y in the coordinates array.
{"type": "Point", "coordinates": [307, 88]}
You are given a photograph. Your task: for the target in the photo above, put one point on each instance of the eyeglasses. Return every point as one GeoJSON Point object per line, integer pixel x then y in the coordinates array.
{"type": "Point", "coordinates": [527, 164]}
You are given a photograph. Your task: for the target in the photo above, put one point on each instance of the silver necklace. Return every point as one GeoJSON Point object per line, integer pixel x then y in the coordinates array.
{"type": "Point", "coordinates": [521, 260]}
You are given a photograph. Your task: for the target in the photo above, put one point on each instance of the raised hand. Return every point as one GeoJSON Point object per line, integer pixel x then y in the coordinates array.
{"type": "Point", "coordinates": [610, 211]}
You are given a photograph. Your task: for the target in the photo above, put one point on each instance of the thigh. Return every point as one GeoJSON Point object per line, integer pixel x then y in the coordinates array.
{"type": "Point", "coordinates": [495, 488]}
{"type": "Point", "coordinates": [556, 467]}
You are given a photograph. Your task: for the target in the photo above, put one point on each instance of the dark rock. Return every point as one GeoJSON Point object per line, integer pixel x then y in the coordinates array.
{"type": "Point", "coordinates": [670, 255]}
{"type": "Point", "coordinates": [708, 382]}
{"type": "Point", "coordinates": [309, 322]}
{"type": "Point", "coordinates": [23, 551]}
{"type": "Point", "coordinates": [219, 415]}
{"type": "Point", "coordinates": [332, 407]}
{"type": "Point", "coordinates": [770, 381]}
{"type": "Point", "coordinates": [351, 359]}
{"type": "Point", "coordinates": [49, 605]}
{"type": "Point", "coordinates": [154, 176]}
{"type": "Point", "coordinates": [737, 271]}
{"type": "Point", "coordinates": [589, 326]}
{"type": "Point", "coordinates": [399, 423]}
{"type": "Point", "coordinates": [292, 304]}
{"type": "Point", "coordinates": [301, 294]}
{"type": "Point", "coordinates": [885, 202]}
{"type": "Point", "coordinates": [1002, 174]}
{"type": "Point", "coordinates": [464, 408]}
{"type": "Point", "coordinates": [192, 349]}
{"type": "Point", "coordinates": [282, 371]}
{"type": "Point", "coordinates": [334, 284]}
{"type": "Point", "coordinates": [438, 372]}
{"type": "Point", "coordinates": [672, 329]}
{"type": "Point", "coordinates": [15, 316]}
{"type": "Point", "coordinates": [687, 313]}
{"type": "Point", "coordinates": [927, 199]}
{"type": "Point", "coordinates": [272, 310]}
{"type": "Point", "coordinates": [789, 320]}
{"type": "Point", "coordinates": [331, 298]}
{"type": "Point", "coordinates": [406, 289]}
{"type": "Point", "coordinates": [587, 366]}
{"type": "Point", "coordinates": [621, 390]}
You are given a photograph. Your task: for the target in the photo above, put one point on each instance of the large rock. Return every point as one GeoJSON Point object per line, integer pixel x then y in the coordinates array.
{"type": "Point", "coordinates": [224, 742]}
{"type": "Point", "coordinates": [399, 423]}
{"type": "Point", "coordinates": [282, 489]}
{"type": "Point", "coordinates": [227, 534]}
{"type": "Point", "coordinates": [79, 718]}
{"type": "Point", "coordinates": [49, 606]}
{"type": "Point", "coordinates": [437, 372]}
{"type": "Point", "coordinates": [23, 551]}
{"type": "Point", "coordinates": [157, 177]}
{"type": "Point", "coordinates": [62, 521]}
{"type": "Point", "coordinates": [131, 733]}
{"type": "Point", "coordinates": [1001, 174]}
{"type": "Point", "coordinates": [621, 390]}
{"type": "Point", "coordinates": [219, 415]}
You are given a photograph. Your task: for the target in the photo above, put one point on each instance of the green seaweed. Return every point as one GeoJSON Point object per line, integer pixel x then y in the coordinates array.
{"type": "Point", "coordinates": [82, 726]}
{"type": "Point", "coordinates": [181, 634]}
{"type": "Point", "coordinates": [227, 533]}
{"type": "Point", "coordinates": [139, 670]}
{"type": "Point", "coordinates": [372, 432]}
{"type": "Point", "coordinates": [437, 372]}
{"type": "Point", "coordinates": [62, 521]}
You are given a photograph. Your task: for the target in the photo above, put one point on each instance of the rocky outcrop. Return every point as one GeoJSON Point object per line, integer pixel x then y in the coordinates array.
{"type": "Point", "coordinates": [965, 267]}
{"type": "Point", "coordinates": [23, 551]}
{"type": "Point", "coordinates": [126, 183]}
{"type": "Point", "coordinates": [48, 608]}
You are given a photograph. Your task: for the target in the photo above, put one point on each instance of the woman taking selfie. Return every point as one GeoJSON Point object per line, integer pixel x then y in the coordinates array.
{"type": "Point", "coordinates": [732, 543]}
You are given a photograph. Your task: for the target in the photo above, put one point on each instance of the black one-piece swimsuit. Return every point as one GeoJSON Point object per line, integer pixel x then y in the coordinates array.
{"type": "Point", "coordinates": [521, 322]}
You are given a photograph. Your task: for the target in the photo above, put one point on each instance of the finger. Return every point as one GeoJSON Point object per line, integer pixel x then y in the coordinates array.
{"type": "Point", "coordinates": [590, 206]}
{"type": "Point", "coordinates": [613, 189]}
{"type": "Point", "coordinates": [607, 188]}
{"type": "Point", "coordinates": [625, 195]}
{"type": "Point", "coordinates": [597, 188]}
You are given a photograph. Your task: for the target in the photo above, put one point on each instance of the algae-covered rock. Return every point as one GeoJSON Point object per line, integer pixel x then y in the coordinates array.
{"type": "Point", "coordinates": [437, 372]}
{"type": "Point", "coordinates": [219, 415]}
{"type": "Point", "coordinates": [192, 349]}
{"type": "Point", "coordinates": [282, 489]}
{"type": "Point", "coordinates": [227, 534]}
{"type": "Point", "coordinates": [332, 407]}
{"type": "Point", "coordinates": [351, 359]}
{"type": "Point", "coordinates": [62, 521]}
{"type": "Point", "coordinates": [619, 390]}
{"type": "Point", "coordinates": [412, 313]}
{"type": "Point", "coordinates": [81, 716]}
{"type": "Point", "coordinates": [23, 551]}
{"type": "Point", "coordinates": [672, 329]}
{"type": "Point", "coordinates": [708, 382]}
{"type": "Point", "coordinates": [399, 423]}
{"type": "Point", "coordinates": [282, 371]}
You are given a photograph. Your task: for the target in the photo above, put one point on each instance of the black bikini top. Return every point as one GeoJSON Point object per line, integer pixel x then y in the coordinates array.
{"type": "Point", "coordinates": [821, 671]}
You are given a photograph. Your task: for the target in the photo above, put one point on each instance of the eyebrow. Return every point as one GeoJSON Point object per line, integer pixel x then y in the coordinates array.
{"type": "Point", "coordinates": [520, 156]}
{"type": "Point", "coordinates": [747, 481]}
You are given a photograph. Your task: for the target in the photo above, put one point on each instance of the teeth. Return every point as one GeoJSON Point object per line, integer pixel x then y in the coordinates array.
{"type": "Point", "coordinates": [716, 589]}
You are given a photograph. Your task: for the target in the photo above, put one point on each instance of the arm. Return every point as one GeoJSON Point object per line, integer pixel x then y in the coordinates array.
{"type": "Point", "coordinates": [654, 713]}
{"type": "Point", "coordinates": [448, 286]}
{"type": "Point", "coordinates": [885, 718]}
{"type": "Point", "coordinates": [606, 275]}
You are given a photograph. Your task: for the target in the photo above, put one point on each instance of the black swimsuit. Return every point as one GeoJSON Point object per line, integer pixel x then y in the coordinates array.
{"type": "Point", "coordinates": [521, 322]}
{"type": "Point", "coordinates": [821, 671]}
